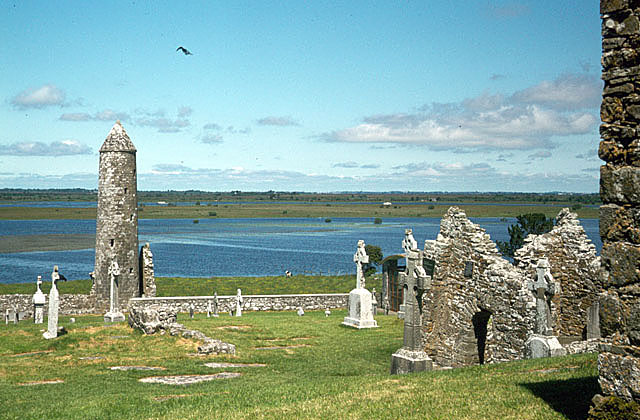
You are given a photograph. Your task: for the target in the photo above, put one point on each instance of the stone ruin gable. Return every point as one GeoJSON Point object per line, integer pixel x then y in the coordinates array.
{"type": "Point", "coordinates": [619, 358]}
{"type": "Point", "coordinates": [574, 266]}
{"type": "Point", "coordinates": [484, 318]}
{"type": "Point", "coordinates": [117, 218]}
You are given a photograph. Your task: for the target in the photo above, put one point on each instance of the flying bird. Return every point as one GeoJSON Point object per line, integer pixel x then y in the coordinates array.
{"type": "Point", "coordinates": [184, 51]}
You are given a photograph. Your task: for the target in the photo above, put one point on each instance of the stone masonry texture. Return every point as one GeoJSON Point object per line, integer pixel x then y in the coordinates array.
{"type": "Point", "coordinates": [117, 218]}
{"type": "Point", "coordinates": [619, 359]}
{"type": "Point", "coordinates": [575, 266]}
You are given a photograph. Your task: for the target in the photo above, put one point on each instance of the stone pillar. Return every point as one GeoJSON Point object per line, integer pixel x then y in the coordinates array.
{"type": "Point", "coordinates": [619, 358]}
{"type": "Point", "coordinates": [415, 282]}
{"type": "Point", "coordinates": [239, 301]}
{"type": "Point", "coordinates": [117, 218]}
{"type": "Point", "coordinates": [114, 314]}
{"type": "Point", "coordinates": [39, 299]}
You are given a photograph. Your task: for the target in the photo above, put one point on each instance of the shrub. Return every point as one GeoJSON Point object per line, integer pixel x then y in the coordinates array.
{"type": "Point", "coordinates": [327, 220]}
{"type": "Point", "coordinates": [212, 214]}
{"type": "Point", "coordinates": [377, 221]}
{"type": "Point", "coordinates": [196, 221]}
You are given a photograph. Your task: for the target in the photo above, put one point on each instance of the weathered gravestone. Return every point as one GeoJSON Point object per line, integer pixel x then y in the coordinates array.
{"type": "Point", "coordinates": [10, 316]}
{"type": "Point", "coordinates": [39, 300]}
{"type": "Point", "coordinates": [114, 314]}
{"type": "Point", "coordinates": [415, 282]}
{"type": "Point", "coordinates": [54, 306]}
{"type": "Point", "coordinates": [360, 305]}
{"type": "Point", "coordinates": [543, 343]}
{"type": "Point", "coordinates": [191, 310]}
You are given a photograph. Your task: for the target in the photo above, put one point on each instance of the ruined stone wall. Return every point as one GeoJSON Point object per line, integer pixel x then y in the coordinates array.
{"type": "Point", "coordinates": [619, 359]}
{"type": "Point", "coordinates": [575, 266]}
{"type": "Point", "coordinates": [483, 317]}
{"type": "Point", "coordinates": [117, 218]}
{"type": "Point", "coordinates": [250, 302]}
{"type": "Point", "coordinates": [70, 304]}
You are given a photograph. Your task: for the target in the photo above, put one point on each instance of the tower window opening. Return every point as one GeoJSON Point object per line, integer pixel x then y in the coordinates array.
{"type": "Point", "coordinates": [125, 190]}
{"type": "Point", "coordinates": [112, 242]}
{"type": "Point", "coordinates": [130, 270]}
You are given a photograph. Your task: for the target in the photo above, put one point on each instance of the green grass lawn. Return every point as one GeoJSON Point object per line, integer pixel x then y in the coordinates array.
{"type": "Point", "coordinates": [334, 372]}
{"type": "Point", "coordinates": [182, 286]}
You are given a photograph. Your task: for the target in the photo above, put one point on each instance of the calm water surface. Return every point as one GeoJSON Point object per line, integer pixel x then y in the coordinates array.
{"type": "Point", "coordinates": [237, 247]}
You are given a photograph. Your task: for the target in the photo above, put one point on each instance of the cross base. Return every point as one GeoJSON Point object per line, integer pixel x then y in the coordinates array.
{"type": "Point", "coordinates": [406, 361]}
{"type": "Point", "coordinates": [114, 316]}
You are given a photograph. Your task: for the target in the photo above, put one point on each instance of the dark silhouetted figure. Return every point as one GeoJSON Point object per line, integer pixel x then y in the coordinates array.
{"type": "Point", "coordinates": [184, 51]}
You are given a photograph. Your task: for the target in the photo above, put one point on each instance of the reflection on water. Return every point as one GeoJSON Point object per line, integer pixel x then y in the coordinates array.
{"type": "Point", "coordinates": [237, 247]}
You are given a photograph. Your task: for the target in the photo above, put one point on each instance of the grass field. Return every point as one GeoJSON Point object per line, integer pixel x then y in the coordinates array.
{"type": "Point", "coordinates": [172, 286]}
{"type": "Point", "coordinates": [248, 210]}
{"type": "Point", "coordinates": [331, 372]}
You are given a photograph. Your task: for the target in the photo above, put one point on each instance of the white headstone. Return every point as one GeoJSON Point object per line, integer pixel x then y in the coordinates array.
{"type": "Point", "coordinates": [114, 314]}
{"type": "Point", "coordinates": [39, 299]}
{"type": "Point", "coordinates": [54, 304]}
{"type": "Point", "coordinates": [239, 301]}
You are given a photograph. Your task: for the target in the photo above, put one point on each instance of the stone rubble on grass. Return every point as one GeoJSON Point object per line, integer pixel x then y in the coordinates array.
{"type": "Point", "coordinates": [157, 318]}
{"type": "Point", "coordinates": [187, 379]}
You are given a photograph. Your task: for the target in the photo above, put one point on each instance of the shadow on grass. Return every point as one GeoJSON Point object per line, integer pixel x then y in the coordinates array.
{"type": "Point", "coordinates": [569, 397]}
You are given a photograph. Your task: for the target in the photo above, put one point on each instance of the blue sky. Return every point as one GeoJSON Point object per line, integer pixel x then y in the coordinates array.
{"type": "Point", "coordinates": [305, 96]}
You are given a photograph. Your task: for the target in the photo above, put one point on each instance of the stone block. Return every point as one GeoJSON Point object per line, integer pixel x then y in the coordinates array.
{"type": "Point", "coordinates": [619, 223]}
{"type": "Point", "coordinates": [538, 346]}
{"type": "Point", "coordinates": [404, 361]}
{"type": "Point", "coordinates": [619, 185]}
{"type": "Point", "coordinates": [611, 315]}
{"type": "Point", "coordinates": [619, 375]}
{"type": "Point", "coordinates": [632, 312]}
{"type": "Point", "coordinates": [360, 310]}
{"type": "Point", "coordinates": [622, 261]}
{"type": "Point", "coordinates": [611, 109]}
{"type": "Point", "coordinates": [608, 6]}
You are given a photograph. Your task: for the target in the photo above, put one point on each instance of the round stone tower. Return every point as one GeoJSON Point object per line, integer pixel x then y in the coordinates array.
{"type": "Point", "coordinates": [117, 218]}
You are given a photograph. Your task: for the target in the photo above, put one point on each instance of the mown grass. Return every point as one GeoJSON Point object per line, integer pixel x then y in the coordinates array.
{"type": "Point", "coordinates": [268, 210]}
{"type": "Point", "coordinates": [182, 286]}
{"type": "Point", "coordinates": [334, 372]}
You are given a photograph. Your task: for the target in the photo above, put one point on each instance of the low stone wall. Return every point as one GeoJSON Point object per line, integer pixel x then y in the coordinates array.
{"type": "Point", "coordinates": [70, 304]}
{"type": "Point", "coordinates": [250, 302]}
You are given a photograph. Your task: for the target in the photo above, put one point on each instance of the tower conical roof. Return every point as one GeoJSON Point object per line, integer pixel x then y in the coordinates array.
{"type": "Point", "coordinates": [117, 140]}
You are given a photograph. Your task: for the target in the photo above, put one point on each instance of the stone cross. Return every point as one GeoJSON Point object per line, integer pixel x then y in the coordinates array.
{"type": "Point", "coordinates": [414, 282]}
{"type": "Point", "coordinates": [114, 314]}
{"type": "Point", "coordinates": [191, 310]}
{"type": "Point", "coordinates": [54, 306]}
{"type": "Point", "coordinates": [544, 288]}
{"type": "Point", "coordinates": [239, 301]}
{"type": "Point", "coordinates": [360, 257]}
{"type": "Point", "coordinates": [39, 300]}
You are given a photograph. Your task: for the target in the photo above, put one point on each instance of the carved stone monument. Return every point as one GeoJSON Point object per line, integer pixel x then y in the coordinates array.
{"type": "Point", "coordinates": [39, 299]}
{"type": "Point", "coordinates": [360, 302]}
{"type": "Point", "coordinates": [54, 305]}
{"type": "Point", "coordinates": [543, 343]}
{"type": "Point", "coordinates": [415, 282]}
{"type": "Point", "coordinates": [114, 314]}
{"type": "Point", "coordinates": [239, 301]}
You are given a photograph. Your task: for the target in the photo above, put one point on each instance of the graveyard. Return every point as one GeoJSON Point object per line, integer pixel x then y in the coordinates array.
{"type": "Point", "coordinates": [313, 368]}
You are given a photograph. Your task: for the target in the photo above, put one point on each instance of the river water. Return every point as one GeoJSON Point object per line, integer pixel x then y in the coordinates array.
{"type": "Point", "coordinates": [237, 247]}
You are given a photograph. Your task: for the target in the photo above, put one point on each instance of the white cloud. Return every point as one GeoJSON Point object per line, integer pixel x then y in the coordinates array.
{"type": "Point", "coordinates": [40, 97]}
{"type": "Point", "coordinates": [285, 121]}
{"type": "Point", "coordinates": [526, 120]}
{"type": "Point", "coordinates": [105, 115]}
{"type": "Point", "coordinates": [211, 138]}
{"type": "Point", "coordinates": [56, 148]}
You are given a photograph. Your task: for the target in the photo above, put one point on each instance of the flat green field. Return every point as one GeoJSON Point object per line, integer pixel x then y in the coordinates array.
{"type": "Point", "coordinates": [250, 210]}
{"type": "Point", "coordinates": [183, 286]}
{"type": "Point", "coordinates": [315, 368]}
